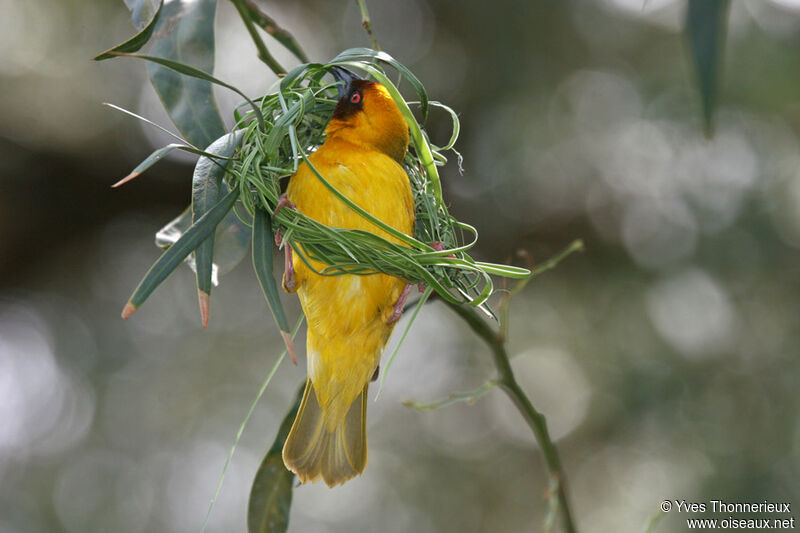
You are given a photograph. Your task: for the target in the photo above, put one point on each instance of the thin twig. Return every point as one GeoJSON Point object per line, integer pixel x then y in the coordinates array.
{"type": "Point", "coordinates": [263, 53]}
{"type": "Point", "coordinates": [281, 35]}
{"type": "Point", "coordinates": [468, 397]}
{"type": "Point", "coordinates": [534, 418]}
{"type": "Point", "coordinates": [367, 23]}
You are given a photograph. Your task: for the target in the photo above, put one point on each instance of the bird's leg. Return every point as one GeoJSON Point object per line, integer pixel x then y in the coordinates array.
{"type": "Point", "coordinates": [289, 283]}
{"type": "Point", "coordinates": [283, 201]}
{"type": "Point", "coordinates": [399, 304]}
{"type": "Point", "coordinates": [401, 301]}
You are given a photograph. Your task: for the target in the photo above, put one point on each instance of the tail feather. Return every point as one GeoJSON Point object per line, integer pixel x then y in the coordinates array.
{"type": "Point", "coordinates": [312, 451]}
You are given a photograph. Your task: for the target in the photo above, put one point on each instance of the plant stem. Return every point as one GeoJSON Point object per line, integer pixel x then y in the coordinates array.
{"type": "Point", "coordinates": [534, 418]}
{"type": "Point", "coordinates": [263, 53]}
{"type": "Point", "coordinates": [367, 23]}
{"type": "Point", "coordinates": [269, 25]}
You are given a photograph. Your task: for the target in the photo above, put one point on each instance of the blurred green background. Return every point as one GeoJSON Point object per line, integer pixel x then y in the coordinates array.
{"type": "Point", "coordinates": [665, 357]}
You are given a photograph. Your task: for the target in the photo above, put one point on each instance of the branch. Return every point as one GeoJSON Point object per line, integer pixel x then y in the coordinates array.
{"type": "Point", "coordinates": [269, 25]}
{"type": "Point", "coordinates": [367, 23]}
{"type": "Point", "coordinates": [263, 53]}
{"type": "Point", "coordinates": [534, 418]}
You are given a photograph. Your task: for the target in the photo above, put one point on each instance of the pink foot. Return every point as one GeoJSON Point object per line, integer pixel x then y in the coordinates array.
{"type": "Point", "coordinates": [398, 306]}
{"type": "Point", "coordinates": [439, 246]}
{"type": "Point", "coordinates": [289, 283]}
{"type": "Point", "coordinates": [283, 201]}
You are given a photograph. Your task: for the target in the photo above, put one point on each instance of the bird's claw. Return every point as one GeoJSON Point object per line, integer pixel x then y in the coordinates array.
{"type": "Point", "coordinates": [289, 283]}
{"type": "Point", "coordinates": [283, 201]}
{"type": "Point", "coordinates": [397, 312]}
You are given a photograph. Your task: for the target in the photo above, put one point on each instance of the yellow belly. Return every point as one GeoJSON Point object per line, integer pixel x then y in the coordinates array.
{"type": "Point", "coordinates": [347, 329]}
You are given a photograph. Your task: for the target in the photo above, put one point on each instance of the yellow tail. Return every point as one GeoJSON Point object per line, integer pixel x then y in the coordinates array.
{"type": "Point", "coordinates": [312, 451]}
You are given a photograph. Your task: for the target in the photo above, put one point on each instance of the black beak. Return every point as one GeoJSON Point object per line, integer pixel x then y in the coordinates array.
{"type": "Point", "coordinates": [345, 77]}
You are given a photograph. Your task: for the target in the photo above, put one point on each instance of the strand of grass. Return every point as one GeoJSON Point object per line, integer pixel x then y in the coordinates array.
{"type": "Point", "coordinates": [456, 397]}
{"type": "Point", "coordinates": [281, 35]}
{"type": "Point", "coordinates": [366, 22]}
{"type": "Point", "coordinates": [418, 139]}
{"type": "Point", "coordinates": [263, 52]}
{"type": "Point", "coordinates": [537, 422]}
{"type": "Point", "coordinates": [162, 128]}
{"type": "Point", "coordinates": [244, 424]}
{"type": "Point", "coordinates": [413, 318]}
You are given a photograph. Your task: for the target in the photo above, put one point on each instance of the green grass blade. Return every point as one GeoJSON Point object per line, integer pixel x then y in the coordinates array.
{"type": "Point", "coordinates": [507, 271]}
{"type": "Point", "coordinates": [137, 41]}
{"type": "Point", "coordinates": [358, 209]}
{"type": "Point", "coordinates": [367, 54]}
{"type": "Point", "coordinates": [148, 121]}
{"type": "Point", "coordinates": [422, 300]}
{"type": "Point", "coordinates": [176, 253]}
{"type": "Point", "coordinates": [418, 139]}
{"type": "Point", "coordinates": [240, 431]}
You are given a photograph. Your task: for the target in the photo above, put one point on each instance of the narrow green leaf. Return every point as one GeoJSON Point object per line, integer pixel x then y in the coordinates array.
{"type": "Point", "coordinates": [193, 72]}
{"type": "Point", "coordinates": [145, 120]}
{"type": "Point", "coordinates": [185, 33]}
{"type": "Point", "coordinates": [140, 39]}
{"type": "Point", "coordinates": [507, 271]}
{"type": "Point", "coordinates": [706, 22]}
{"type": "Point", "coordinates": [176, 253]}
{"type": "Point", "coordinates": [271, 493]}
{"type": "Point", "coordinates": [231, 240]}
{"type": "Point", "coordinates": [207, 190]}
{"type": "Point", "coordinates": [361, 211]}
{"type": "Point", "coordinates": [154, 158]}
{"type": "Point", "coordinates": [263, 265]}
{"type": "Point", "coordinates": [417, 309]}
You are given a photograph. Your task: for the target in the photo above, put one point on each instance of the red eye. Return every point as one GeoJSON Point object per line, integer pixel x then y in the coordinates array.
{"type": "Point", "coordinates": [355, 98]}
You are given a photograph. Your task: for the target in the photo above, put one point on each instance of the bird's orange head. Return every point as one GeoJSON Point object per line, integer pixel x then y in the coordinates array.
{"type": "Point", "coordinates": [367, 116]}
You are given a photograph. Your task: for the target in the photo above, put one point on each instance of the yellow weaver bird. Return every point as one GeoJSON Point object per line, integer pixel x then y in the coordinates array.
{"type": "Point", "coordinates": [350, 317]}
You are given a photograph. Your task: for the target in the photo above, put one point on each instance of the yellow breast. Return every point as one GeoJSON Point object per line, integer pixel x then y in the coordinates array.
{"type": "Point", "coordinates": [347, 314]}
